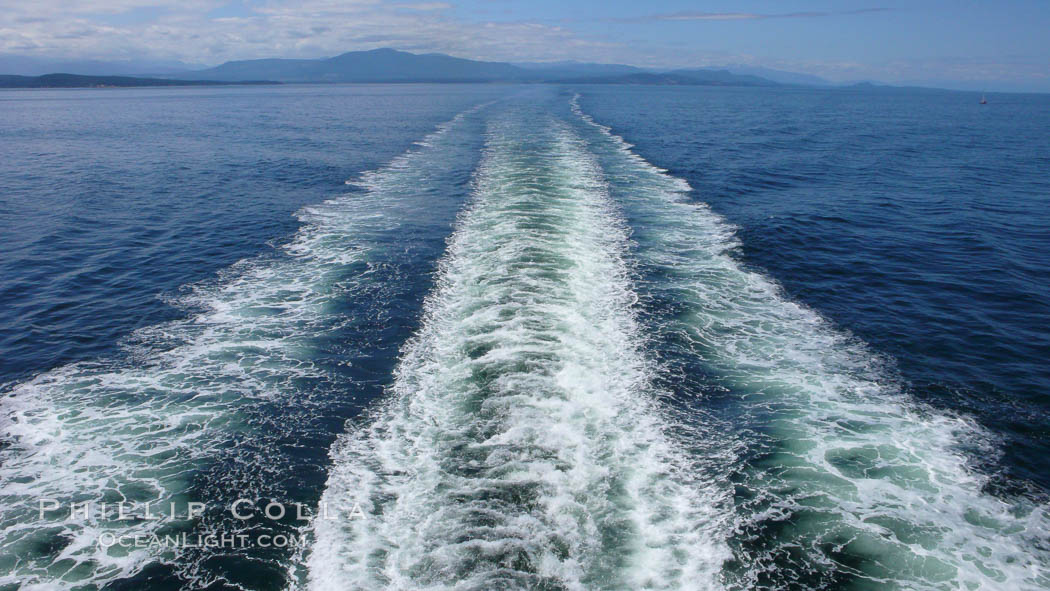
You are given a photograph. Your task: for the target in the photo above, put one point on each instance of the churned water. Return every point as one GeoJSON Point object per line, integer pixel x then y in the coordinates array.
{"type": "Point", "coordinates": [791, 339]}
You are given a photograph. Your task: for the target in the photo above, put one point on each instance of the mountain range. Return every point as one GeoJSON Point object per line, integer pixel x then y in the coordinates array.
{"type": "Point", "coordinates": [79, 81]}
{"type": "Point", "coordinates": [377, 65]}
{"type": "Point", "coordinates": [22, 65]}
{"type": "Point", "coordinates": [676, 77]}
{"type": "Point", "coordinates": [389, 65]}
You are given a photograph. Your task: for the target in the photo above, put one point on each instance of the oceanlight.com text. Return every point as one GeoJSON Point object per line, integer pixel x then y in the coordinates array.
{"type": "Point", "coordinates": [215, 540]}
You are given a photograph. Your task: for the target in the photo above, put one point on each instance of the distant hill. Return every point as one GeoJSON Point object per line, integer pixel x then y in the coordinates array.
{"type": "Point", "coordinates": [678, 77]}
{"type": "Point", "coordinates": [569, 69]}
{"type": "Point", "coordinates": [389, 65]}
{"type": "Point", "coordinates": [22, 65]}
{"type": "Point", "coordinates": [723, 77]}
{"type": "Point", "coordinates": [377, 65]}
{"type": "Point", "coordinates": [780, 76]}
{"type": "Point", "coordinates": [78, 81]}
{"type": "Point", "coordinates": [869, 87]}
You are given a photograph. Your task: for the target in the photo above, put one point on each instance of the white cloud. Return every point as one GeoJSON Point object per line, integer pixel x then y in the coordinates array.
{"type": "Point", "coordinates": [740, 16]}
{"type": "Point", "coordinates": [426, 6]}
{"type": "Point", "coordinates": [311, 28]}
{"type": "Point", "coordinates": [185, 30]}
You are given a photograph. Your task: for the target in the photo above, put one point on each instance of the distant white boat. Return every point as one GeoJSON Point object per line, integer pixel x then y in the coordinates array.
{"type": "Point", "coordinates": [984, 101]}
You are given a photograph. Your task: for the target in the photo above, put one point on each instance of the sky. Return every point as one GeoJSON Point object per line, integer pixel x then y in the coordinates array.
{"type": "Point", "coordinates": [1002, 44]}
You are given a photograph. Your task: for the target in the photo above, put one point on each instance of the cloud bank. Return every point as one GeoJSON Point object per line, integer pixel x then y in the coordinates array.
{"type": "Point", "coordinates": [213, 31]}
{"type": "Point", "coordinates": [209, 32]}
{"type": "Point", "coordinates": [740, 16]}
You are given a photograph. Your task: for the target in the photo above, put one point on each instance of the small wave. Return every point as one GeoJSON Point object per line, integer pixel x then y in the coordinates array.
{"type": "Point", "coordinates": [522, 446]}
{"type": "Point", "coordinates": [847, 482]}
{"type": "Point", "coordinates": [196, 399]}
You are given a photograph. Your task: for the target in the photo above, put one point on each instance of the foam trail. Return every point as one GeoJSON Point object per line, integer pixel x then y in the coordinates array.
{"type": "Point", "coordinates": [147, 427]}
{"type": "Point", "coordinates": [521, 446]}
{"type": "Point", "coordinates": [849, 484]}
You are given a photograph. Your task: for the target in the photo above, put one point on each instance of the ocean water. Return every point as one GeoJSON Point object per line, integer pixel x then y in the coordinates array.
{"type": "Point", "coordinates": [526, 337]}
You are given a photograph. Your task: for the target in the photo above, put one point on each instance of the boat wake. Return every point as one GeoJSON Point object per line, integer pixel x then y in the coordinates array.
{"type": "Point", "coordinates": [222, 405]}
{"type": "Point", "coordinates": [600, 395]}
{"type": "Point", "coordinates": [522, 446]}
{"type": "Point", "coordinates": [844, 481]}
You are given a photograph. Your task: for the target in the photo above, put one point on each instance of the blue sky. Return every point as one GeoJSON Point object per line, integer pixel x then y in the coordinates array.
{"type": "Point", "coordinates": [1002, 44]}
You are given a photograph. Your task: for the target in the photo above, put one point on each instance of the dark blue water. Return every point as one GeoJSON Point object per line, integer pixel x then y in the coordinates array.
{"type": "Point", "coordinates": [808, 354]}
{"type": "Point", "coordinates": [110, 199]}
{"type": "Point", "coordinates": [919, 222]}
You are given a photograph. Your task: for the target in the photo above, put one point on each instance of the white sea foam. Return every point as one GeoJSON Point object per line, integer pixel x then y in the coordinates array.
{"type": "Point", "coordinates": [854, 478]}
{"type": "Point", "coordinates": [521, 445]}
{"type": "Point", "coordinates": [140, 428]}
